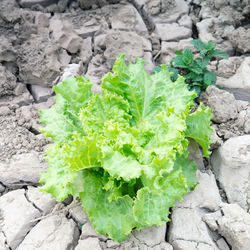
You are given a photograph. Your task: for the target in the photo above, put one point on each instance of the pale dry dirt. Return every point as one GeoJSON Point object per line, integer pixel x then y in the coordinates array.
{"type": "Point", "coordinates": [45, 41]}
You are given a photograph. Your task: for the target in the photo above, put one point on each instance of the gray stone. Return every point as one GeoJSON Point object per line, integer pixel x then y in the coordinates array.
{"type": "Point", "coordinates": [233, 223]}
{"type": "Point", "coordinates": [228, 67]}
{"type": "Point", "coordinates": [41, 65]}
{"type": "Point", "coordinates": [7, 52]}
{"type": "Point", "coordinates": [187, 227]}
{"type": "Point", "coordinates": [172, 32]}
{"type": "Point", "coordinates": [4, 111]}
{"type": "Point", "coordinates": [149, 65]}
{"type": "Point", "coordinates": [97, 68]}
{"type": "Point", "coordinates": [2, 188]}
{"type": "Point", "coordinates": [200, 198]}
{"type": "Point", "coordinates": [55, 232]}
{"type": "Point", "coordinates": [129, 43]}
{"type": "Point", "coordinates": [28, 116]}
{"type": "Point", "coordinates": [100, 42]}
{"type": "Point", "coordinates": [2, 242]}
{"type": "Point", "coordinates": [77, 213]}
{"type": "Point", "coordinates": [230, 163]}
{"type": "Point", "coordinates": [86, 52]}
{"type": "Point", "coordinates": [112, 244]}
{"type": "Point", "coordinates": [163, 245]}
{"type": "Point", "coordinates": [118, 42]}
{"type": "Point", "coordinates": [126, 17]}
{"type": "Point", "coordinates": [186, 21]}
{"type": "Point", "coordinates": [192, 245]}
{"type": "Point", "coordinates": [30, 3]}
{"type": "Point", "coordinates": [151, 236]}
{"type": "Point", "coordinates": [41, 200]}
{"type": "Point", "coordinates": [195, 154]}
{"type": "Point", "coordinates": [40, 94]}
{"type": "Point", "coordinates": [64, 36]}
{"type": "Point", "coordinates": [223, 104]}
{"type": "Point", "coordinates": [168, 49]}
{"type": "Point", "coordinates": [239, 94]}
{"type": "Point", "coordinates": [7, 82]}
{"type": "Point", "coordinates": [241, 79]}
{"type": "Point", "coordinates": [19, 89]}
{"type": "Point", "coordinates": [88, 244]}
{"type": "Point", "coordinates": [240, 39]}
{"type": "Point", "coordinates": [89, 231]}
{"type": "Point", "coordinates": [71, 70]}
{"type": "Point", "coordinates": [86, 25]}
{"type": "Point", "coordinates": [23, 99]}
{"type": "Point", "coordinates": [189, 212]}
{"type": "Point", "coordinates": [42, 22]}
{"type": "Point", "coordinates": [216, 140]}
{"type": "Point", "coordinates": [221, 243]}
{"type": "Point", "coordinates": [16, 216]}
{"type": "Point", "coordinates": [166, 11]}
{"type": "Point", "coordinates": [22, 169]}
{"type": "Point", "coordinates": [203, 28]}
{"type": "Point", "coordinates": [88, 4]}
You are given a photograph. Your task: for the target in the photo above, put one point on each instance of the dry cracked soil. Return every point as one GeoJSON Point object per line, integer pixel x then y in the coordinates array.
{"type": "Point", "coordinates": [45, 41]}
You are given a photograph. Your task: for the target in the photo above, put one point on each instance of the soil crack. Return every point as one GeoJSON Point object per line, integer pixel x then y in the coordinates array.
{"type": "Point", "coordinates": [32, 203]}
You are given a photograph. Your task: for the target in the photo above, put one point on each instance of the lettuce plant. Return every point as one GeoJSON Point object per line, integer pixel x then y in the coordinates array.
{"type": "Point", "coordinates": [124, 153]}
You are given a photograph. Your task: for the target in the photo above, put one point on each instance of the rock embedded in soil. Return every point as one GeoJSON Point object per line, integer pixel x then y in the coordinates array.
{"type": "Point", "coordinates": [172, 32]}
{"type": "Point", "coordinates": [228, 67]}
{"type": "Point", "coordinates": [129, 43]}
{"type": "Point", "coordinates": [233, 223]}
{"type": "Point", "coordinates": [240, 39]}
{"type": "Point", "coordinates": [222, 244]}
{"type": "Point", "coordinates": [40, 94]}
{"type": "Point", "coordinates": [223, 104]}
{"type": "Point", "coordinates": [88, 244]}
{"type": "Point", "coordinates": [41, 66]}
{"type": "Point", "coordinates": [7, 82]}
{"type": "Point", "coordinates": [44, 202]}
{"type": "Point", "coordinates": [17, 214]}
{"type": "Point", "coordinates": [97, 68]}
{"type": "Point", "coordinates": [2, 188]}
{"type": "Point", "coordinates": [240, 80]}
{"type": "Point", "coordinates": [22, 169]}
{"type": "Point", "coordinates": [64, 35]}
{"type": "Point", "coordinates": [89, 231]}
{"type": "Point", "coordinates": [77, 213]}
{"type": "Point", "coordinates": [187, 230]}
{"type": "Point", "coordinates": [88, 4]}
{"type": "Point", "coordinates": [216, 140]}
{"type": "Point", "coordinates": [30, 3]}
{"type": "Point", "coordinates": [125, 17]}
{"type": "Point", "coordinates": [54, 232]}
{"type": "Point", "coordinates": [195, 154]}
{"type": "Point", "coordinates": [7, 51]}
{"type": "Point", "coordinates": [72, 70]}
{"type": "Point", "coordinates": [168, 49]}
{"type": "Point", "coordinates": [151, 236]}
{"type": "Point", "coordinates": [231, 163]}
{"type": "Point", "coordinates": [2, 242]}
{"type": "Point", "coordinates": [86, 24]}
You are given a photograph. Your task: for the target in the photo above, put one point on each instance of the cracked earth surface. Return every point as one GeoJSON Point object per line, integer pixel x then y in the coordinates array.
{"type": "Point", "coordinates": [45, 41]}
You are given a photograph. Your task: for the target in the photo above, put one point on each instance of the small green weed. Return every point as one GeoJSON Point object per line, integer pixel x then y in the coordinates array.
{"type": "Point", "coordinates": [194, 70]}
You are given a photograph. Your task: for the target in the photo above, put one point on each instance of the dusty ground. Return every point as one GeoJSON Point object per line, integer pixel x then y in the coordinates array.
{"type": "Point", "coordinates": [44, 41]}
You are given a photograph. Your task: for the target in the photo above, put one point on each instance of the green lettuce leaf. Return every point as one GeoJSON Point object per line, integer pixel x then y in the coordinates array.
{"type": "Point", "coordinates": [59, 180]}
{"type": "Point", "coordinates": [114, 219]}
{"type": "Point", "coordinates": [198, 128]}
{"type": "Point", "coordinates": [62, 120]}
